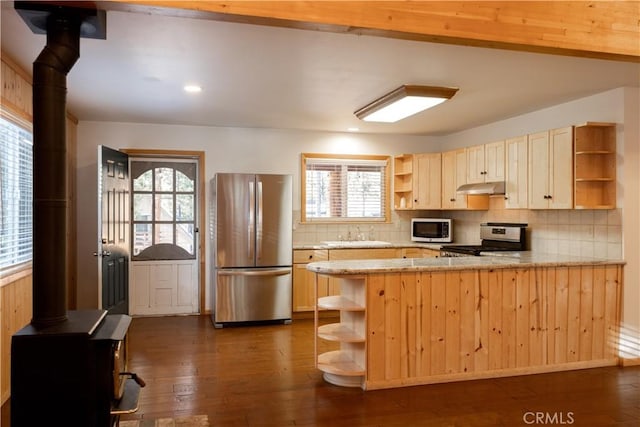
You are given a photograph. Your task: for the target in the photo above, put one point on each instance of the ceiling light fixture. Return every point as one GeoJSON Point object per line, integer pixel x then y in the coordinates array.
{"type": "Point", "coordinates": [192, 88]}
{"type": "Point", "coordinates": [403, 102]}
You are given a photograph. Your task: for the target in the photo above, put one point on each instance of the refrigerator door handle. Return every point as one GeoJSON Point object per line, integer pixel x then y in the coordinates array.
{"type": "Point", "coordinates": [259, 221]}
{"type": "Point", "coordinates": [251, 222]}
{"type": "Point", "coordinates": [269, 272]}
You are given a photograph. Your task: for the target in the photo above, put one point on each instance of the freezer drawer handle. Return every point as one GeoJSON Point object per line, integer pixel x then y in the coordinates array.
{"type": "Point", "coordinates": [277, 272]}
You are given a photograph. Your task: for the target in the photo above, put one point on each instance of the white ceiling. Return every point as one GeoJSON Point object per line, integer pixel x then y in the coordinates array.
{"type": "Point", "coordinates": [268, 77]}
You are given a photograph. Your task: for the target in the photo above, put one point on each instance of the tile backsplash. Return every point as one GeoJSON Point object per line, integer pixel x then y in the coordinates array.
{"type": "Point", "coordinates": [397, 231]}
{"type": "Point", "coordinates": [590, 233]}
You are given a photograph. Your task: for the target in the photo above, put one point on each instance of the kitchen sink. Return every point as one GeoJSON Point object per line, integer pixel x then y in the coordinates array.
{"type": "Point", "coordinates": [356, 243]}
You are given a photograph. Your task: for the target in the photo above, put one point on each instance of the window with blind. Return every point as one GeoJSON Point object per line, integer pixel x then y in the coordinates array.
{"type": "Point", "coordinates": [16, 194]}
{"type": "Point", "coordinates": [344, 188]}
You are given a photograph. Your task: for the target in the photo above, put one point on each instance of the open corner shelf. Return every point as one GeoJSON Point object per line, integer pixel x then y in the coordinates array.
{"type": "Point", "coordinates": [347, 366]}
{"type": "Point", "coordinates": [595, 166]}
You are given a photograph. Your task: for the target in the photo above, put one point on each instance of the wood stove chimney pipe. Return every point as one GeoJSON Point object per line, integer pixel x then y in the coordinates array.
{"type": "Point", "coordinates": [63, 27]}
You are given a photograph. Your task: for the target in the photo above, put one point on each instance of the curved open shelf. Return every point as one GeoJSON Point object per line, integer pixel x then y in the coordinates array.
{"type": "Point", "coordinates": [339, 332]}
{"type": "Point", "coordinates": [338, 302]}
{"type": "Point", "coordinates": [339, 363]}
{"type": "Point", "coordinates": [344, 366]}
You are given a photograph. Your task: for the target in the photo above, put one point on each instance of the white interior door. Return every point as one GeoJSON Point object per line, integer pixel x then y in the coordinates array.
{"type": "Point", "coordinates": [164, 253]}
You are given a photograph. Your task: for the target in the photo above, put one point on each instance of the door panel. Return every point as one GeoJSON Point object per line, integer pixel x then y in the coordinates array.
{"type": "Point", "coordinates": [539, 170]}
{"type": "Point", "coordinates": [274, 220]}
{"type": "Point", "coordinates": [113, 225]}
{"type": "Point", "coordinates": [164, 287]}
{"type": "Point", "coordinates": [244, 295]}
{"type": "Point", "coordinates": [234, 218]}
{"type": "Point", "coordinates": [561, 180]}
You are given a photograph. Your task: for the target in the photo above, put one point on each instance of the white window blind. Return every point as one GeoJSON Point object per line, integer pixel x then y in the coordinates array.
{"type": "Point", "coordinates": [16, 194]}
{"type": "Point", "coordinates": [345, 188]}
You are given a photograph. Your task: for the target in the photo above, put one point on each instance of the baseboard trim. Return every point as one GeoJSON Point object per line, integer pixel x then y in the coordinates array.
{"type": "Point", "coordinates": [631, 361]}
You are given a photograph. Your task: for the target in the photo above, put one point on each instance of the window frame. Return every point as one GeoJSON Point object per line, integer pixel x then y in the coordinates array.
{"type": "Point", "coordinates": [345, 158]}
{"type": "Point", "coordinates": [15, 270]}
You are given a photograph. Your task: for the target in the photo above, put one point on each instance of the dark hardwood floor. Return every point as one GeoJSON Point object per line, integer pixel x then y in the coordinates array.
{"type": "Point", "coordinates": [265, 376]}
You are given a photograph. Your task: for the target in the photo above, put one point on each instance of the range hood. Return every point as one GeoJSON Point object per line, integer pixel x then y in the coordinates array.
{"type": "Point", "coordinates": [482, 188]}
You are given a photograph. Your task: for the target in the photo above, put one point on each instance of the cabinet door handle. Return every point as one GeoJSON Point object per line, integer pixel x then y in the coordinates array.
{"type": "Point", "coordinates": [452, 200]}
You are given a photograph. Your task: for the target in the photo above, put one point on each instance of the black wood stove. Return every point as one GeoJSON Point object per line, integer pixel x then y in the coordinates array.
{"type": "Point", "coordinates": [73, 373]}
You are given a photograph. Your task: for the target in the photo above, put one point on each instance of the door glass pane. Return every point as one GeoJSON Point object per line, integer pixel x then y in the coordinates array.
{"type": "Point", "coordinates": [183, 182]}
{"type": "Point", "coordinates": [184, 207]}
{"type": "Point", "coordinates": [164, 179]}
{"type": "Point", "coordinates": [185, 237]}
{"type": "Point", "coordinates": [164, 207]}
{"type": "Point", "coordinates": [163, 233]}
{"type": "Point", "coordinates": [164, 210]}
{"type": "Point", "coordinates": [142, 204]}
{"type": "Point", "coordinates": [141, 237]}
{"type": "Point", "coordinates": [143, 182]}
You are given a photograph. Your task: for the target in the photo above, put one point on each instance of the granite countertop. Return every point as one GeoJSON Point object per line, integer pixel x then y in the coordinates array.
{"type": "Point", "coordinates": [516, 260]}
{"type": "Point", "coordinates": [355, 244]}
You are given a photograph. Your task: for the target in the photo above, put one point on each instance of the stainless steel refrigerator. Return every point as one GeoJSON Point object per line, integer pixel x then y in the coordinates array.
{"type": "Point", "coordinates": [251, 230]}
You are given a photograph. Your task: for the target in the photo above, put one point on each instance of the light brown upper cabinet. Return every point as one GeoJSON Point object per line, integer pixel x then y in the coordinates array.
{"type": "Point", "coordinates": [551, 169]}
{"type": "Point", "coordinates": [516, 171]}
{"type": "Point", "coordinates": [595, 166]}
{"type": "Point", "coordinates": [454, 174]}
{"type": "Point", "coordinates": [485, 163]}
{"type": "Point", "coordinates": [427, 179]}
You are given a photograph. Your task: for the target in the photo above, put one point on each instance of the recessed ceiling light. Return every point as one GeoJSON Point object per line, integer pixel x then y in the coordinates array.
{"type": "Point", "coordinates": [192, 88]}
{"type": "Point", "coordinates": [353, 129]}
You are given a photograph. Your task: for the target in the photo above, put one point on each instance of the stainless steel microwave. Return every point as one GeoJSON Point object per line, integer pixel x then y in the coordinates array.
{"type": "Point", "coordinates": [431, 230]}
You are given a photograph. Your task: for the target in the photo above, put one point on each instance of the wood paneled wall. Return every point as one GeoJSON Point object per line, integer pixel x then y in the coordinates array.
{"type": "Point", "coordinates": [449, 325]}
{"type": "Point", "coordinates": [16, 312]}
{"type": "Point", "coordinates": [17, 100]}
{"type": "Point", "coordinates": [17, 92]}
{"type": "Point", "coordinates": [16, 290]}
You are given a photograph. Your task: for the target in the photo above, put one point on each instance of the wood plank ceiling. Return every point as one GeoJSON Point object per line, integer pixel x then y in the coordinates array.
{"type": "Point", "coordinates": [602, 29]}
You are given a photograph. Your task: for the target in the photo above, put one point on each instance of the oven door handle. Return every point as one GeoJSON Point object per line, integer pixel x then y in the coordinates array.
{"type": "Point", "coordinates": [134, 377]}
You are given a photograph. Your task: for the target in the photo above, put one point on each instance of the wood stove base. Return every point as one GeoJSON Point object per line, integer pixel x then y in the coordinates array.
{"type": "Point", "coordinates": [66, 371]}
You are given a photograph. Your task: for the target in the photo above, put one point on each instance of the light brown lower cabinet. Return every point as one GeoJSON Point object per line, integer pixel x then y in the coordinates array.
{"type": "Point", "coordinates": [304, 281]}
{"type": "Point", "coordinates": [304, 298]}
{"type": "Point", "coordinates": [437, 326]}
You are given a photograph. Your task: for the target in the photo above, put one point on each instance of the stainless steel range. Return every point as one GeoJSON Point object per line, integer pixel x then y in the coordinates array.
{"type": "Point", "coordinates": [495, 237]}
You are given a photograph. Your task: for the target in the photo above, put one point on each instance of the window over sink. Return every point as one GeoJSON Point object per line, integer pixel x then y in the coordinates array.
{"type": "Point", "coordinates": [339, 188]}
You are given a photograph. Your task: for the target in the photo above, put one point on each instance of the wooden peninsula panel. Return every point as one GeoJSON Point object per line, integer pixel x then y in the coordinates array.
{"type": "Point", "coordinates": [436, 326]}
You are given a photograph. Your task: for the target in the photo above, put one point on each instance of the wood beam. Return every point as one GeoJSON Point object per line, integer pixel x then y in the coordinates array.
{"type": "Point", "coordinates": [597, 29]}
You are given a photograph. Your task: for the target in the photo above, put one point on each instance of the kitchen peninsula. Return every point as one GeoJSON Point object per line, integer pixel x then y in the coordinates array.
{"type": "Point", "coordinates": [420, 321]}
